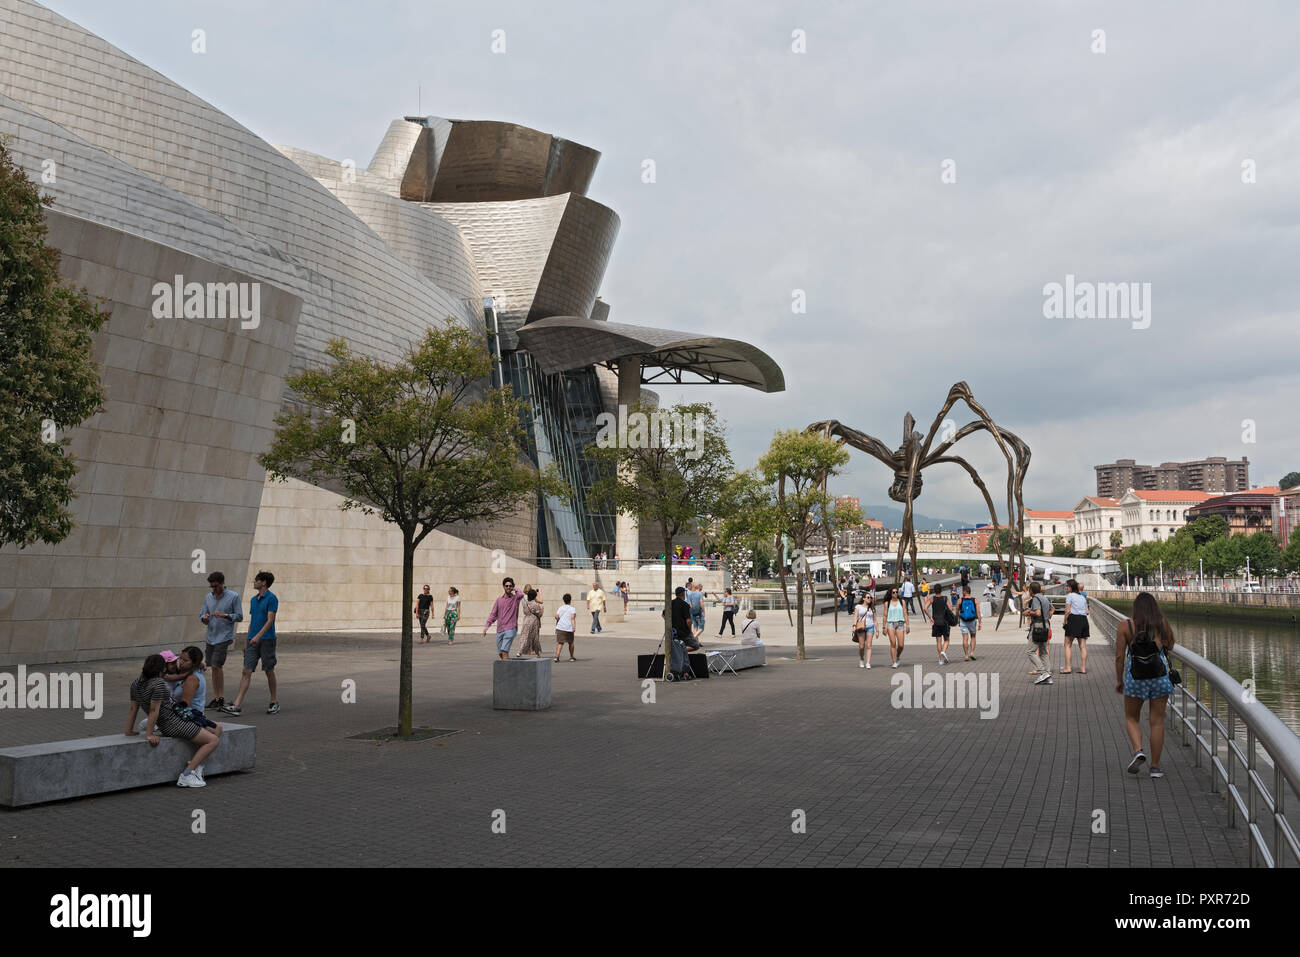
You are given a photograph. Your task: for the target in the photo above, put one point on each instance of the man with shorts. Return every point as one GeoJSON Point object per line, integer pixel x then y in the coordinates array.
{"type": "Point", "coordinates": [505, 612]}
{"type": "Point", "coordinates": [565, 624]}
{"type": "Point", "coordinates": [937, 605]}
{"type": "Point", "coordinates": [969, 619]}
{"type": "Point", "coordinates": [220, 612]}
{"type": "Point", "coordinates": [262, 608]}
{"type": "Point", "coordinates": [695, 599]}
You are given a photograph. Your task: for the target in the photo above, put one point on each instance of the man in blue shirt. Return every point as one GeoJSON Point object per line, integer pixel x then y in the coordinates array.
{"type": "Point", "coordinates": [220, 613]}
{"type": "Point", "coordinates": [262, 609]}
{"type": "Point", "coordinates": [695, 599]}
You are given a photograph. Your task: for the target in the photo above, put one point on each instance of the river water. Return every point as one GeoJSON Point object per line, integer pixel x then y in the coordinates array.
{"type": "Point", "coordinates": [1267, 653]}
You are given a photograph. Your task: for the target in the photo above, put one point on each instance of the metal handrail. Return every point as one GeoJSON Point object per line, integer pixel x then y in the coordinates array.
{"type": "Point", "coordinates": [1223, 748]}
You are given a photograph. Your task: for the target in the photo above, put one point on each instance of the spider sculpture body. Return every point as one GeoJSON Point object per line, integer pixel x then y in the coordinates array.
{"type": "Point", "coordinates": [917, 452]}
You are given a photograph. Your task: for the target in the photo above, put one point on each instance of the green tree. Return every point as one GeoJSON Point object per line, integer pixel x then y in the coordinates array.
{"type": "Point", "coordinates": [1223, 556]}
{"type": "Point", "coordinates": [48, 381]}
{"type": "Point", "coordinates": [1204, 529]}
{"type": "Point", "coordinates": [1117, 539]}
{"type": "Point", "coordinates": [1291, 556]}
{"type": "Point", "coordinates": [673, 481]}
{"type": "Point", "coordinates": [1063, 547]}
{"type": "Point", "coordinates": [1264, 552]}
{"type": "Point", "coordinates": [1002, 539]}
{"type": "Point", "coordinates": [795, 467]}
{"type": "Point", "coordinates": [1290, 480]}
{"type": "Point", "coordinates": [422, 443]}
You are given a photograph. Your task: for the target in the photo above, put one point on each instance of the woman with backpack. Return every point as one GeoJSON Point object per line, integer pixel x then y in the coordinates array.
{"type": "Point", "coordinates": [940, 628]}
{"type": "Point", "coordinates": [864, 628]}
{"type": "Point", "coordinates": [1039, 613]}
{"type": "Point", "coordinates": [896, 625]}
{"type": "Point", "coordinates": [1076, 625]}
{"type": "Point", "coordinates": [970, 619]}
{"type": "Point", "coordinates": [1142, 645]}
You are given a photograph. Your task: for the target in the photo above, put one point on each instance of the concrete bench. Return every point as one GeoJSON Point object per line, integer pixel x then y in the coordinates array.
{"type": "Point", "coordinates": [521, 684]}
{"type": "Point", "coordinates": [740, 657]}
{"type": "Point", "coordinates": [35, 773]}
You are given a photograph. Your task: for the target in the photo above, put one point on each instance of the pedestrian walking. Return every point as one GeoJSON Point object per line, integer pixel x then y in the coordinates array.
{"type": "Point", "coordinates": [505, 612]}
{"type": "Point", "coordinates": [728, 612]}
{"type": "Point", "coordinates": [423, 606]}
{"type": "Point", "coordinates": [1142, 673]}
{"type": "Point", "coordinates": [940, 626]}
{"type": "Point", "coordinates": [451, 614]}
{"type": "Point", "coordinates": [566, 617]}
{"type": "Point", "coordinates": [1076, 625]}
{"type": "Point", "coordinates": [595, 605]}
{"type": "Point", "coordinates": [260, 646]}
{"type": "Point", "coordinates": [695, 599]}
{"type": "Point", "coordinates": [897, 625]}
{"type": "Point", "coordinates": [909, 595]}
{"type": "Point", "coordinates": [221, 611]}
{"type": "Point", "coordinates": [1039, 612]}
{"type": "Point", "coordinates": [969, 619]}
{"type": "Point", "coordinates": [530, 624]}
{"type": "Point", "coordinates": [624, 591]}
{"type": "Point", "coordinates": [864, 628]}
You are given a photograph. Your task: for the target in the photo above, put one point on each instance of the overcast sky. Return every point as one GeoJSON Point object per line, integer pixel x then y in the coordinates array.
{"type": "Point", "coordinates": [822, 171]}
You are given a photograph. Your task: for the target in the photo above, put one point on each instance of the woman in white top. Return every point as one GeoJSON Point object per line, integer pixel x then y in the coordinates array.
{"type": "Point", "coordinates": [728, 612]}
{"type": "Point", "coordinates": [1076, 625]}
{"type": "Point", "coordinates": [451, 615]}
{"type": "Point", "coordinates": [864, 628]}
{"type": "Point", "coordinates": [751, 634]}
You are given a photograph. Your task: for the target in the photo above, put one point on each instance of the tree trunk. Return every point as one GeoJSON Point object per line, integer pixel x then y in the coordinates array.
{"type": "Point", "coordinates": [404, 696]}
{"type": "Point", "coordinates": [668, 599]}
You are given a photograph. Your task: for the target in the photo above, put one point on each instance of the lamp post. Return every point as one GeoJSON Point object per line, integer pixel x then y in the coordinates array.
{"type": "Point", "coordinates": [1162, 574]}
{"type": "Point", "coordinates": [1127, 586]}
{"type": "Point", "coordinates": [1202, 564]}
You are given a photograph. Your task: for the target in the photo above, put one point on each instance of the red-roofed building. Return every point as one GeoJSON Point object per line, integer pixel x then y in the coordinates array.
{"type": "Point", "coordinates": [1150, 515]}
{"type": "Point", "coordinates": [1042, 525]}
{"type": "Point", "coordinates": [1096, 518]}
{"type": "Point", "coordinates": [1246, 512]}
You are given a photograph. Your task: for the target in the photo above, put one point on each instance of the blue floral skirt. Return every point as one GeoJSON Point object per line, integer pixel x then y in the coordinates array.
{"type": "Point", "coordinates": [1146, 688]}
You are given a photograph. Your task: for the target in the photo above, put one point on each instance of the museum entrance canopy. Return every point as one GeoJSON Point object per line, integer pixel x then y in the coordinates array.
{"type": "Point", "coordinates": [561, 343]}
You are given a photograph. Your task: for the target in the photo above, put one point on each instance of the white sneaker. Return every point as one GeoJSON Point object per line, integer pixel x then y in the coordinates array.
{"type": "Point", "coordinates": [189, 779]}
{"type": "Point", "coordinates": [894, 665]}
{"type": "Point", "coordinates": [199, 772]}
{"type": "Point", "coordinates": [943, 657]}
{"type": "Point", "coordinates": [868, 666]}
{"type": "Point", "coordinates": [862, 664]}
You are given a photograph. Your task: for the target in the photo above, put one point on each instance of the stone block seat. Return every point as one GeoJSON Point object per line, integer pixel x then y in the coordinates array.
{"type": "Point", "coordinates": [521, 684]}
{"type": "Point", "coordinates": [36, 773]}
{"type": "Point", "coordinates": [738, 657]}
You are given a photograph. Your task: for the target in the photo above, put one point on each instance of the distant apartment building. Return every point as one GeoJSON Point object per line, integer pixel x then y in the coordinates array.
{"type": "Point", "coordinates": [1155, 515]}
{"type": "Point", "coordinates": [975, 540]}
{"type": "Point", "coordinates": [1043, 525]}
{"type": "Point", "coordinates": [1246, 512]}
{"type": "Point", "coordinates": [871, 537]}
{"type": "Point", "coordinates": [1096, 518]}
{"type": "Point", "coordinates": [1214, 475]}
{"type": "Point", "coordinates": [934, 541]}
{"type": "Point", "coordinates": [848, 501]}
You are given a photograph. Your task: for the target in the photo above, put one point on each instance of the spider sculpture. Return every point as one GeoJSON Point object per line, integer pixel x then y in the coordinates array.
{"type": "Point", "coordinates": [917, 453]}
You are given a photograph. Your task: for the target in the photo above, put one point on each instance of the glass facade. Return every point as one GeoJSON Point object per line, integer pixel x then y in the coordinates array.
{"type": "Point", "coordinates": [560, 426]}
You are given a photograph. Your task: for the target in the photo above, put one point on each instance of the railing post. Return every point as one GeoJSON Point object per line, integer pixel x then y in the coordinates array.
{"type": "Point", "coordinates": [1232, 764]}
{"type": "Point", "coordinates": [1279, 809]}
{"type": "Point", "coordinates": [1196, 709]}
{"type": "Point", "coordinates": [1214, 740]}
{"type": "Point", "coordinates": [1250, 787]}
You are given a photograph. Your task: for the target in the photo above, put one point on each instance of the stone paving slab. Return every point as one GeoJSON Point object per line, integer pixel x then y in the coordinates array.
{"type": "Point", "coordinates": [603, 778]}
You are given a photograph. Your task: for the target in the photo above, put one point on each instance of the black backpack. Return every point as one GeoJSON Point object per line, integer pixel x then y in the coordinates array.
{"type": "Point", "coordinates": [1145, 659]}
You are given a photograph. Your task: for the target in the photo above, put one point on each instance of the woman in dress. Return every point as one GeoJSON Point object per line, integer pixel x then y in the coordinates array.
{"type": "Point", "coordinates": [451, 615]}
{"type": "Point", "coordinates": [1147, 631]}
{"type": "Point", "coordinates": [530, 624]}
{"type": "Point", "coordinates": [896, 625]}
{"type": "Point", "coordinates": [623, 590]}
{"type": "Point", "coordinates": [149, 691]}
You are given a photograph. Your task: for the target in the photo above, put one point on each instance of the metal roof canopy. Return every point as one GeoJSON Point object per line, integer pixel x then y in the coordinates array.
{"type": "Point", "coordinates": [560, 343]}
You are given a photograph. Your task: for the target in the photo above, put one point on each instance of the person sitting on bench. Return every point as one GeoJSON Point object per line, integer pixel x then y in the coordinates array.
{"type": "Point", "coordinates": [681, 618]}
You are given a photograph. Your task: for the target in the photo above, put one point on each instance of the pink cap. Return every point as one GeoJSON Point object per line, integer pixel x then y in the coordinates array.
{"type": "Point", "coordinates": [169, 656]}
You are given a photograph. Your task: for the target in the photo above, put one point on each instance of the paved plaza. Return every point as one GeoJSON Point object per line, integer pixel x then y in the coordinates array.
{"type": "Point", "coordinates": [711, 773]}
